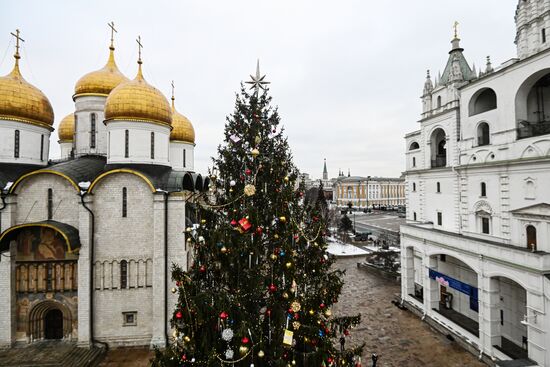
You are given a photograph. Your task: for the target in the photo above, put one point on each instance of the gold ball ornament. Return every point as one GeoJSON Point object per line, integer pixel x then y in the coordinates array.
{"type": "Point", "coordinates": [223, 250]}
{"type": "Point", "coordinates": [276, 236]}
{"type": "Point", "coordinates": [261, 353]}
{"type": "Point", "coordinates": [288, 265]}
{"type": "Point", "coordinates": [174, 290]}
{"type": "Point", "coordinates": [186, 339]}
{"type": "Point", "coordinates": [243, 349]}
{"type": "Point", "coordinates": [295, 306]}
{"type": "Point", "coordinates": [203, 221]}
{"type": "Point", "coordinates": [328, 313]}
{"type": "Point", "coordinates": [273, 257]}
{"type": "Point", "coordinates": [311, 312]}
{"type": "Point", "coordinates": [255, 152]}
{"type": "Point", "coordinates": [282, 219]}
{"type": "Point", "coordinates": [286, 179]}
{"type": "Point", "coordinates": [285, 295]}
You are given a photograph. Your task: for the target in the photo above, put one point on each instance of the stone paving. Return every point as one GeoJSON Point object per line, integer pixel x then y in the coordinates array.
{"type": "Point", "coordinates": [128, 357]}
{"type": "Point", "coordinates": [398, 337]}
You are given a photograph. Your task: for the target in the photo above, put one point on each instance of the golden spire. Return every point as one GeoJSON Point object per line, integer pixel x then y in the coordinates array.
{"type": "Point", "coordinates": [16, 55]}
{"type": "Point", "coordinates": [113, 31]}
{"type": "Point", "coordinates": [455, 26]}
{"type": "Point", "coordinates": [173, 97]}
{"type": "Point", "coordinates": [140, 46]}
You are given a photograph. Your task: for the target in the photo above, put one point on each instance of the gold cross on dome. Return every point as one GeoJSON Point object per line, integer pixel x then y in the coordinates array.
{"type": "Point", "coordinates": [17, 39]}
{"type": "Point", "coordinates": [455, 26]}
{"type": "Point", "coordinates": [173, 87]}
{"type": "Point", "coordinates": [140, 46]}
{"type": "Point", "coordinates": [113, 31]}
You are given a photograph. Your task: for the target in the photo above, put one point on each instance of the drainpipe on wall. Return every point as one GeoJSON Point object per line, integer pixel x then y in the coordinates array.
{"type": "Point", "coordinates": [82, 196]}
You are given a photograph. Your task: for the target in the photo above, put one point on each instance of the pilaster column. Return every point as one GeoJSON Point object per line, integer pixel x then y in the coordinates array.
{"type": "Point", "coordinates": [159, 338]}
{"type": "Point", "coordinates": [489, 313]}
{"type": "Point", "coordinates": [8, 308]}
{"type": "Point", "coordinates": [84, 267]}
{"type": "Point", "coordinates": [431, 287]}
{"type": "Point", "coordinates": [407, 270]}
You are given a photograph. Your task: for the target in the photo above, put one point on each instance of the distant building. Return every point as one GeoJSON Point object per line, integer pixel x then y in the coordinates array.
{"type": "Point", "coordinates": [476, 251]}
{"type": "Point", "coordinates": [373, 192]}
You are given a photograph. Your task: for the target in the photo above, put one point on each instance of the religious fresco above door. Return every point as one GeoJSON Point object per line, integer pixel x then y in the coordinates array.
{"type": "Point", "coordinates": [42, 244]}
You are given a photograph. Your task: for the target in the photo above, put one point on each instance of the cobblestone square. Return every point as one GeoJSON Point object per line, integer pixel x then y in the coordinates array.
{"type": "Point", "coordinates": [398, 337]}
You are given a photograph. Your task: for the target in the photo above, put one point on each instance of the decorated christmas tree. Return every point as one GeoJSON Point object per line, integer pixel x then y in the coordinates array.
{"type": "Point", "coordinates": [261, 286]}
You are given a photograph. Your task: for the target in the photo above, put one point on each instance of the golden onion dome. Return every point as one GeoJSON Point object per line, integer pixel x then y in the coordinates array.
{"type": "Point", "coordinates": [66, 128]}
{"type": "Point", "coordinates": [21, 101]}
{"type": "Point", "coordinates": [137, 100]}
{"type": "Point", "coordinates": [182, 128]}
{"type": "Point", "coordinates": [100, 82]}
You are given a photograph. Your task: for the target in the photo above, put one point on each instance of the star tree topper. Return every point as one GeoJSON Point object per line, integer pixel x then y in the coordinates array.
{"type": "Point", "coordinates": [258, 81]}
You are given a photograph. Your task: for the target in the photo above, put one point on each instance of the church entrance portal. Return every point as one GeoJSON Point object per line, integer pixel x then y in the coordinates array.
{"type": "Point", "coordinates": [53, 324]}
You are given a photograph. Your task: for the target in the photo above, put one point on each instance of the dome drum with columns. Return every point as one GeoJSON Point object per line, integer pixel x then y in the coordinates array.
{"type": "Point", "coordinates": [119, 193]}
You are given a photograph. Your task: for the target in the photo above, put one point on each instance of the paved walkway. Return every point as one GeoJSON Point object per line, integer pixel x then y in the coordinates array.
{"type": "Point", "coordinates": [398, 337]}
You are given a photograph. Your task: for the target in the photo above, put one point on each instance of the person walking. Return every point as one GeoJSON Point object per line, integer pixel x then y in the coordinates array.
{"type": "Point", "coordinates": [374, 358]}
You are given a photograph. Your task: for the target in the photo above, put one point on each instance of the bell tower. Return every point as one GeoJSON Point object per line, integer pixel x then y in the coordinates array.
{"type": "Point", "coordinates": [532, 27]}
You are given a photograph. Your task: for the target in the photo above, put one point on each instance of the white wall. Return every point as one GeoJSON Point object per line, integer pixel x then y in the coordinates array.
{"type": "Point", "coordinates": [29, 143]}
{"type": "Point", "coordinates": [84, 107]}
{"type": "Point", "coordinates": [139, 142]}
{"type": "Point", "coordinates": [176, 156]}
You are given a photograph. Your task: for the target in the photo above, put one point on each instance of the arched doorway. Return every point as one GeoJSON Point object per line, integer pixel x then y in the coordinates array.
{"type": "Point", "coordinates": [49, 319]}
{"type": "Point", "coordinates": [53, 324]}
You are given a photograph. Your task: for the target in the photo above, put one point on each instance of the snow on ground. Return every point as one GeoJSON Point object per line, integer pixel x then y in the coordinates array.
{"type": "Point", "coordinates": [338, 248]}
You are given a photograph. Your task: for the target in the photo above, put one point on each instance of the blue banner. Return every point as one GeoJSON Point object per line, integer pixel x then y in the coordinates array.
{"type": "Point", "coordinates": [458, 285]}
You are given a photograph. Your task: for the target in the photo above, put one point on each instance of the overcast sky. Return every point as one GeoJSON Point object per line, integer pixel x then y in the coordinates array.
{"type": "Point", "coordinates": [346, 75]}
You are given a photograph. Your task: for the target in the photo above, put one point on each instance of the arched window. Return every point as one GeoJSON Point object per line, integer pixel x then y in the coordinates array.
{"type": "Point", "coordinates": [438, 187]}
{"type": "Point", "coordinates": [482, 101]}
{"type": "Point", "coordinates": [126, 143]}
{"type": "Point", "coordinates": [483, 134]}
{"type": "Point", "coordinates": [42, 147]}
{"type": "Point", "coordinates": [483, 189]}
{"type": "Point", "coordinates": [533, 106]}
{"type": "Point", "coordinates": [16, 144]}
{"type": "Point", "coordinates": [414, 145]}
{"type": "Point", "coordinates": [531, 233]}
{"type": "Point", "coordinates": [92, 130]}
{"type": "Point", "coordinates": [123, 274]}
{"type": "Point", "coordinates": [50, 204]}
{"type": "Point", "coordinates": [124, 202]}
{"type": "Point", "coordinates": [438, 101]}
{"type": "Point", "coordinates": [438, 144]}
{"type": "Point", "coordinates": [152, 145]}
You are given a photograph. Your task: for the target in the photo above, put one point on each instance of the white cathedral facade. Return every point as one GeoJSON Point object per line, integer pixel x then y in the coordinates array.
{"type": "Point", "coordinates": [87, 242]}
{"type": "Point", "coordinates": [476, 248]}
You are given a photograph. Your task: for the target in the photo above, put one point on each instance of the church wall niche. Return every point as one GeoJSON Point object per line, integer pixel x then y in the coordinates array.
{"type": "Point", "coordinates": [46, 279]}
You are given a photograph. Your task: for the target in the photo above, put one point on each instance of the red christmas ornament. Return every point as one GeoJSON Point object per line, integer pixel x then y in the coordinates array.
{"type": "Point", "coordinates": [179, 315]}
{"type": "Point", "coordinates": [322, 305]}
{"type": "Point", "coordinates": [202, 269]}
{"type": "Point", "coordinates": [178, 283]}
{"type": "Point", "coordinates": [268, 312]}
{"type": "Point", "coordinates": [244, 225]}
{"type": "Point", "coordinates": [272, 289]}
{"type": "Point", "coordinates": [296, 236]}
{"type": "Point", "coordinates": [259, 230]}
{"type": "Point", "coordinates": [184, 357]}
{"type": "Point", "coordinates": [296, 316]}
{"type": "Point", "coordinates": [245, 340]}
{"type": "Point", "coordinates": [223, 315]}
{"type": "Point", "coordinates": [233, 222]}
{"type": "Point", "coordinates": [330, 360]}
{"type": "Point", "coordinates": [346, 332]}
{"type": "Point", "coordinates": [248, 172]}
